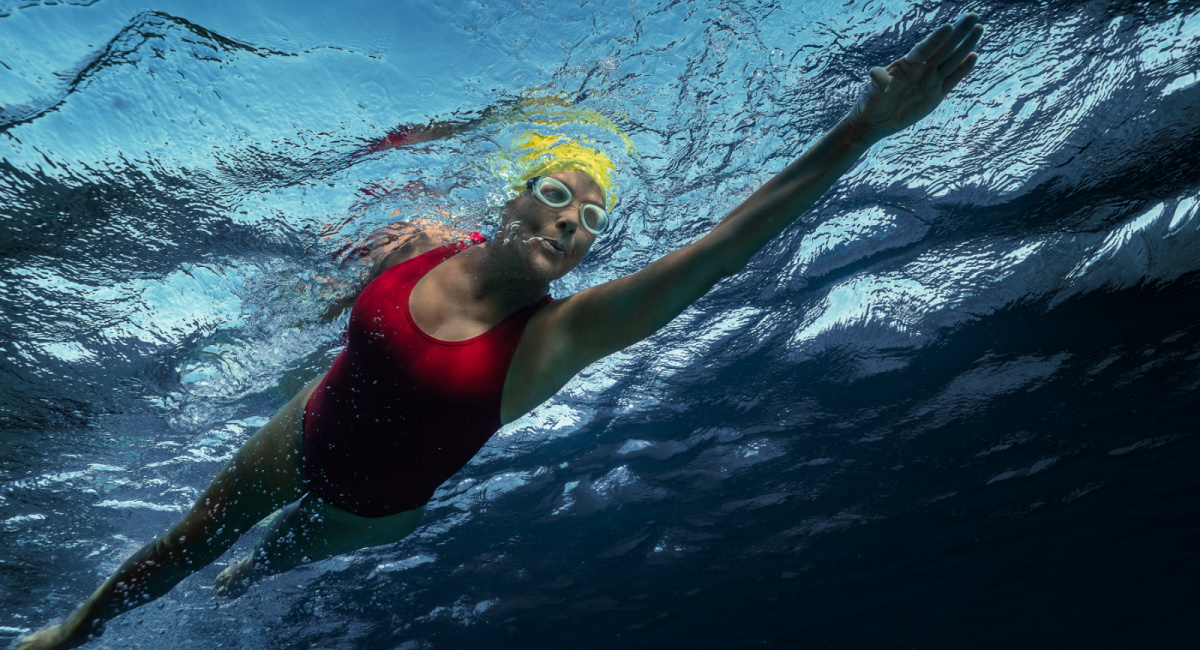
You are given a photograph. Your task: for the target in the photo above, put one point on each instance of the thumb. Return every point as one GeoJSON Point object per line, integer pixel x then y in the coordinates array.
{"type": "Point", "coordinates": [879, 80]}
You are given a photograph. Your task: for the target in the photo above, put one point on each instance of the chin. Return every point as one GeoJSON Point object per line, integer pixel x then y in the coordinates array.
{"type": "Point", "coordinates": [541, 269]}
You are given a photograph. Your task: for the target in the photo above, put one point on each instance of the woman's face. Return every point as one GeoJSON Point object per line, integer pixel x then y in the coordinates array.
{"type": "Point", "coordinates": [550, 241]}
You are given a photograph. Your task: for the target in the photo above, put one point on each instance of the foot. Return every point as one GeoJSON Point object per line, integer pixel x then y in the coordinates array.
{"type": "Point", "coordinates": [236, 578]}
{"type": "Point", "coordinates": [57, 635]}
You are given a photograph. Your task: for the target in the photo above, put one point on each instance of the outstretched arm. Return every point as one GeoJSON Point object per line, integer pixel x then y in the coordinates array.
{"type": "Point", "coordinates": [606, 318]}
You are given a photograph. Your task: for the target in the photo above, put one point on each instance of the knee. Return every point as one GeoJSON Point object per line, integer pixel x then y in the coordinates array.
{"type": "Point", "coordinates": [178, 549]}
{"type": "Point", "coordinates": [171, 547]}
{"type": "Point", "coordinates": [194, 545]}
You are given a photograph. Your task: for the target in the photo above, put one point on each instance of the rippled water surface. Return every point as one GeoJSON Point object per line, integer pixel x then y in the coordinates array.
{"type": "Point", "coordinates": [953, 406]}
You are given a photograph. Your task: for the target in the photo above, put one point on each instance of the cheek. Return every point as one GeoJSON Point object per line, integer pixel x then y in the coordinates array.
{"type": "Point", "coordinates": [512, 213]}
{"type": "Point", "coordinates": [583, 250]}
{"type": "Point", "coordinates": [522, 219]}
{"type": "Point", "coordinates": [512, 227]}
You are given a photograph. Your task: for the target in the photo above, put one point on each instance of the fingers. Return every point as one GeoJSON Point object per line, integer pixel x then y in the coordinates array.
{"type": "Point", "coordinates": [921, 52]}
{"type": "Point", "coordinates": [961, 71]}
{"type": "Point", "coordinates": [963, 27]}
{"type": "Point", "coordinates": [947, 42]}
{"type": "Point", "coordinates": [960, 53]}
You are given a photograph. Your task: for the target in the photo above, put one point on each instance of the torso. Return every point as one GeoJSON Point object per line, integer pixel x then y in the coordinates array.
{"type": "Point", "coordinates": [439, 307]}
{"type": "Point", "coordinates": [415, 393]}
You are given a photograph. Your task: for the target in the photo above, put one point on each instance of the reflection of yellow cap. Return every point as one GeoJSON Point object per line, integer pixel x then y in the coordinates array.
{"type": "Point", "coordinates": [546, 150]}
{"type": "Point", "coordinates": [545, 154]}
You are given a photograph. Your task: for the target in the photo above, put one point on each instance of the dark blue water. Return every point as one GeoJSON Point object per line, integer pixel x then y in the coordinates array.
{"type": "Point", "coordinates": [954, 406]}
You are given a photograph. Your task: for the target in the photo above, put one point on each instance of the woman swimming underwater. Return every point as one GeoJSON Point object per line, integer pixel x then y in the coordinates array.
{"type": "Point", "coordinates": [447, 343]}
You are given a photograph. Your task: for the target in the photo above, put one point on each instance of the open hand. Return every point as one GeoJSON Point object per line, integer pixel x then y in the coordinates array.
{"type": "Point", "coordinates": [913, 85]}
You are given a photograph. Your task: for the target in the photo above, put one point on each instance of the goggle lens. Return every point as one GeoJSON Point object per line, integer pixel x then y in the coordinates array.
{"type": "Point", "coordinates": [594, 219]}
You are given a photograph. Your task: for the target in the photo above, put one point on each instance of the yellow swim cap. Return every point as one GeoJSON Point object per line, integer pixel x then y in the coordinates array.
{"type": "Point", "coordinates": [541, 154]}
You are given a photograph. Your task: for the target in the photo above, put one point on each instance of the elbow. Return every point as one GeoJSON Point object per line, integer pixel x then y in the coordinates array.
{"type": "Point", "coordinates": [725, 253]}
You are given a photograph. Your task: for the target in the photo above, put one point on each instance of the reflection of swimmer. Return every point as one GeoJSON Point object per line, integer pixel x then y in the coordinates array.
{"type": "Point", "coordinates": [542, 109]}
{"type": "Point", "coordinates": [448, 342]}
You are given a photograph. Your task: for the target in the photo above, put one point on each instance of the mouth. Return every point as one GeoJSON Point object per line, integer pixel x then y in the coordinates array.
{"type": "Point", "coordinates": [553, 246]}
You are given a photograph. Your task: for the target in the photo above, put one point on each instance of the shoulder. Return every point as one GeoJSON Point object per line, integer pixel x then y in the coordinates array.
{"type": "Point", "coordinates": [414, 243]}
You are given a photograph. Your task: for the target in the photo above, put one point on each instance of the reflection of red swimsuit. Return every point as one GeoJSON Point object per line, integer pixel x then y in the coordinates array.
{"type": "Point", "coordinates": [400, 411]}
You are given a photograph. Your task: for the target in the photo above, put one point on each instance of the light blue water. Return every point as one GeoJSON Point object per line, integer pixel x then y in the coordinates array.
{"type": "Point", "coordinates": [951, 407]}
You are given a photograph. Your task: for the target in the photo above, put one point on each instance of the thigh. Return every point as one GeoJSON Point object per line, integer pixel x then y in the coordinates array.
{"type": "Point", "coordinates": [264, 475]}
{"type": "Point", "coordinates": [341, 532]}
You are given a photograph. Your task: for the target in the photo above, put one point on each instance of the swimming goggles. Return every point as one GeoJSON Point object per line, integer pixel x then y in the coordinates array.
{"type": "Point", "coordinates": [553, 193]}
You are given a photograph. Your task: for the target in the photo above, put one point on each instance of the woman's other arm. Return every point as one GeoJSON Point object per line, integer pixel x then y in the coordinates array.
{"type": "Point", "coordinates": [395, 244]}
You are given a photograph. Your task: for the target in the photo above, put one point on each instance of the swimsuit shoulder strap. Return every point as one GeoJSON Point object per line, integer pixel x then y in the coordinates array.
{"type": "Point", "coordinates": [423, 263]}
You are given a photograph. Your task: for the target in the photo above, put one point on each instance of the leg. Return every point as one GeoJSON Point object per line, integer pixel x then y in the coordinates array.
{"type": "Point", "coordinates": [266, 473]}
{"type": "Point", "coordinates": [311, 530]}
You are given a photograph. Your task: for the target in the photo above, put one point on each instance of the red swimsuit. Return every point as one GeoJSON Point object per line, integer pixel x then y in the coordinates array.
{"type": "Point", "coordinates": [400, 411]}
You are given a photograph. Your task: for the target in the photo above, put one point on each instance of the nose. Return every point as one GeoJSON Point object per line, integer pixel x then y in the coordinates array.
{"type": "Point", "coordinates": [566, 223]}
